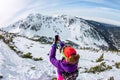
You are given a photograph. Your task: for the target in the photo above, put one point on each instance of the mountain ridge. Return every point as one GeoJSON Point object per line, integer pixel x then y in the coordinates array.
{"type": "Point", "coordinates": [75, 29]}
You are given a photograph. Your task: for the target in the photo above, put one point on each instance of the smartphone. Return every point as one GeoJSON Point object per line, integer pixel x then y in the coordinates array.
{"type": "Point", "coordinates": [56, 37]}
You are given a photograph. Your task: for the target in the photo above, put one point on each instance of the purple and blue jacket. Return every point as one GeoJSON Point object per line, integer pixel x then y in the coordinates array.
{"type": "Point", "coordinates": [61, 65]}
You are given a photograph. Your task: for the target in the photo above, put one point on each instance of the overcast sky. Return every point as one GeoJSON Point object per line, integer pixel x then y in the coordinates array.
{"type": "Point", "coordinates": [100, 10]}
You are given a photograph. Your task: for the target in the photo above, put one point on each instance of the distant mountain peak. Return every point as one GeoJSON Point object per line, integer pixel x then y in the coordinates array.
{"type": "Point", "coordinates": [75, 29]}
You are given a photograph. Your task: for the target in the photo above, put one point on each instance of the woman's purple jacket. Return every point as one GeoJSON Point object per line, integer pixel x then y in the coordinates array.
{"type": "Point", "coordinates": [61, 65]}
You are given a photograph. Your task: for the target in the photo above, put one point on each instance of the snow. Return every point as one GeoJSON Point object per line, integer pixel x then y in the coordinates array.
{"type": "Point", "coordinates": [36, 48]}
{"type": "Point", "coordinates": [13, 67]}
{"type": "Point", "coordinates": [16, 30]}
{"type": "Point", "coordinates": [82, 34]}
{"type": "Point", "coordinates": [69, 28]}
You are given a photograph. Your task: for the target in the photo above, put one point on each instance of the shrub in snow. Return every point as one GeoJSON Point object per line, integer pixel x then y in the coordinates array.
{"type": "Point", "coordinates": [54, 78]}
{"type": "Point", "coordinates": [27, 55]}
{"type": "Point", "coordinates": [37, 59]}
{"type": "Point", "coordinates": [18, 52]}
{"type": "Point", "coordinates": [33, 68]}
{"type": "Point", "coordinates": [12, 47]}
{"type": "Point", "coordinates": [11, 40]}
{"type": "Point", "coordinates": [100, 58]}
{"type": "Point", "coordinates": [1, 76]}
{"type": "Point", "coordinates": [111, 78]}
{"type": "Point", "coordinates": [43, 39]}
{"type": "Point", "coordinates": [117, 64]}
{"type": "Point", "coordinates": [99, 68]}
{"type": "Point", "coordinates": [1, 36]}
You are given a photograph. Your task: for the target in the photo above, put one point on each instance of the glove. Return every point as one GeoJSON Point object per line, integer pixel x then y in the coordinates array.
{"type": "Point", "coordinates": [57, 38]}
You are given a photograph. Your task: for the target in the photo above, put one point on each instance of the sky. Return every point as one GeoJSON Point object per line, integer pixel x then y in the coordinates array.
{"type": "Point", "coordinates": [99, 10]}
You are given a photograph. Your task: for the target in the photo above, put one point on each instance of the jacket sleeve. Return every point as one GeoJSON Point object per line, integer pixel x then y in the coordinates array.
{"type": "Point", "coordinates": [62, 44]}
{"type": "Point", "coordinates": [53, 59]}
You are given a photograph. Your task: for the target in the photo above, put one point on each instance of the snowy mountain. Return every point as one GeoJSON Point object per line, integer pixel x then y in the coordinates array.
{"type": "Point", "coordinates": [81, 32]}
{"type": "Point", "coordinates": [72, 29]}
{"type": "Point", "coordinates": [109, 32]}
{"type": "Point", "coordinates": [25, 48]}
{"type": "Point", "coordinates": [14, 67]}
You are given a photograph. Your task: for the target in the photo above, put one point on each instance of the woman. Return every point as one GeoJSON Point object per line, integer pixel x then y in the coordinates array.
{"type": "Point", "coordinates": [67, 66]}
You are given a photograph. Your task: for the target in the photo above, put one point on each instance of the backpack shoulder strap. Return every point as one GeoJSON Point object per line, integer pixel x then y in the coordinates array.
{"type": "Point", "coordinates": [70, 76]}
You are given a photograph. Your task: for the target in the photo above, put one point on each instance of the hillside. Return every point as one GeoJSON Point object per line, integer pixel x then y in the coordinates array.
{"type": "Point", "coordinates": [75, 30]}
{"type": "Point", "coordinates": [15, 67]}
{"type": "Point", "coordinates": [72, 29]}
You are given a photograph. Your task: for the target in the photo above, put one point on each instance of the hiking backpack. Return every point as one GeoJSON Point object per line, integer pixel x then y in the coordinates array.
{"type": "Point", "coordinates": [70, 76]}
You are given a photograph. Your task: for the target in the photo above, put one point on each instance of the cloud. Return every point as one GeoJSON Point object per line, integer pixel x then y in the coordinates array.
{"type": "Point", "coordinates": [104, 20]}
{"type": "Point", "coordinates": [12, 10]}
{"type": "Point", "coordinates": [97, 13]}
{"type": "Point", "coordinates": [8, 8]}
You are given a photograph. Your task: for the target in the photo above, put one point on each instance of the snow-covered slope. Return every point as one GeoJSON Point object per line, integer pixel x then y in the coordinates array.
{"type": "Point", "coordinates": [12, 67]}
{"type": "Point", "coordinates": [69, 28]}
{"type": "Point", "coordinates": [110, 32]}
{"type": "Point", "coordinates": [35, 26]}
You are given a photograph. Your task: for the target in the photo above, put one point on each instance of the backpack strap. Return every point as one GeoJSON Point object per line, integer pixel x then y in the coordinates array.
{"type": "Point", "coordinates": [70, 76]}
